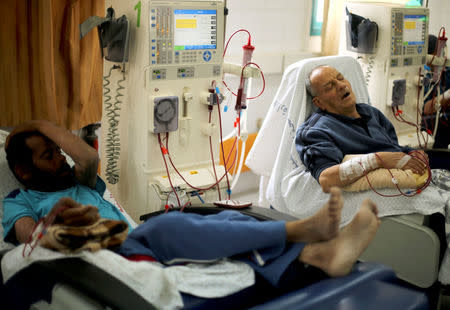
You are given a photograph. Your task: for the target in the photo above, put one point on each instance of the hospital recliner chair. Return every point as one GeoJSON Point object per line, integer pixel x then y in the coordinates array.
{"type": "Point", "coordinates": [368, 286]}
{"type": "Point", "coordinates": [405, 242]}
{"type": "Point", "coordinates": [72, 283]}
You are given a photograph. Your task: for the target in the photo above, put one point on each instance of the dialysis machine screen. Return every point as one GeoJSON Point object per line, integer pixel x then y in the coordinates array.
{"type": "Point", "coordinates": [195, 29]}
{"type": "Point", "coordinates": [414, 29]}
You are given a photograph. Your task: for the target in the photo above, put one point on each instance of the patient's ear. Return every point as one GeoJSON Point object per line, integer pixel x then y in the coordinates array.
{"type": "Point", "coordinates": [318, 103]}
{"type": "Point", "coordinates": [23, 172]}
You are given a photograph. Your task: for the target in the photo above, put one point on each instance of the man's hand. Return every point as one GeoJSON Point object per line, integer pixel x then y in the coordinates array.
{"type": "Point", "coordinates": [416, 164]}
{"type": "Point", "coordinates": [430, 108]}
{"type": "Point", "coordinates": [74, 213]}
{"type": "Point", "coordinates": [445, 103]}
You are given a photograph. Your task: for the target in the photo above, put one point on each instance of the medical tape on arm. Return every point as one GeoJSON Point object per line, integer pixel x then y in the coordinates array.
{"type": "Point", "coordinates": [357, 166]}
{"type": "Point", "coordinates": [403, 161]}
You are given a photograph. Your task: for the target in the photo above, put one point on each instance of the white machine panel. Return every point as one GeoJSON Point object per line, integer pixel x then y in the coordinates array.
{"type": "Point", "coordinates": [409, 32]}
{"type": "Point", "coordinates": [184, 41]}
{"type": "Point", "coordinates": [175, 58]}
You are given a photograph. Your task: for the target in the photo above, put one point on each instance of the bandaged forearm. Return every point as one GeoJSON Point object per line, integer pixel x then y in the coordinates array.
{"type": "Point", "coordinates": [357, 166]}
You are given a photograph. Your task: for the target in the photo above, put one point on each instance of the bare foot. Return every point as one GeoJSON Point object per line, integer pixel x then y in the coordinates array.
{"type": "Point", "coordinates": [322, 226]}
{"type": "Point", "coordinates": [337, 256]}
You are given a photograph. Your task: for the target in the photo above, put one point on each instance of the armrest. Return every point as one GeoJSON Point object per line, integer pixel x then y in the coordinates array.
{"type": "Point", "coordinates": [82, 276]}
{"type": "Point", "coordinates": [391, 247]}
{"type": "Point", "coordinates": [369, 286]}
{"type": "Point", "coordinates": [95, 283]}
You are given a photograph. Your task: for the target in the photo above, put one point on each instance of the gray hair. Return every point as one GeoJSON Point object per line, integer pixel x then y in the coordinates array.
{"type": "Point", "coordinates": [308, 86]}
{"type": "Point", "coordinates": [309, 89]}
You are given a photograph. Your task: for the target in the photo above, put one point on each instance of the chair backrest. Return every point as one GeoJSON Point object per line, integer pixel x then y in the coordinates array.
{"type": "Point", "coordinates": [274, 156]}
{"type": "Point", "coordinates": [8, 183]}
{"type": "Point", "coordinates": [292, 106]}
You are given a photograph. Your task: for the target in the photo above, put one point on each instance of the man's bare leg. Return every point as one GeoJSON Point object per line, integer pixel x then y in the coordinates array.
{"type": "Point", "coordinates": [337, 256]}
{"type": "Point", "coordinates": [322, 226]}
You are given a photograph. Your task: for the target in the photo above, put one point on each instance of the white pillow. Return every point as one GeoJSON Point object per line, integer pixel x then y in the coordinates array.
{"type": "Point", "coordinates": [8, 183]}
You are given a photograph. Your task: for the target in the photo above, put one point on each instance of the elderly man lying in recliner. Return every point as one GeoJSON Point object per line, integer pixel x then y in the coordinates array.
{"type": "Point", "coordinates": [342, 127]}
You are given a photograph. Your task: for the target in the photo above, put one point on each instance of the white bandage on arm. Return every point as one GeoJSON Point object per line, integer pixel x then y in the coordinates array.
{"type": "Point", "coordinates": [357, 166]}
{"type": "Point", "coordinates": [403, 161]}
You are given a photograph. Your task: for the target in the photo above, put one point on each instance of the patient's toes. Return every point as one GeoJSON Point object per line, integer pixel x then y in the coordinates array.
{"type": "Point", "coordinates": [371, 205]}
{"type": "Point", "coordinates": [335, 200]}
{"type": "Point", "coordinates": [323, 225]}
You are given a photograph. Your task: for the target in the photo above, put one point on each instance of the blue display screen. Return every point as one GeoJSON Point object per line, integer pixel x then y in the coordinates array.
{"type": "Point", "coordinates": [414, 27]}
{"type": "Point", "coordinates": [195, 29]}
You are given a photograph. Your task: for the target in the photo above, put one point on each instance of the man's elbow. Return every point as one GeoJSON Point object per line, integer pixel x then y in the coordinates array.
{"type": "Point", "coordinates": [91, 160]}
{"type": "Point", "coordinates": [92, 166]}
{"type": "Point", "coordinates": [95, 160]}
{"type": "Point", "coordinates": [93, 155]}
{"type": "Point", "coordinates": [86, 171]}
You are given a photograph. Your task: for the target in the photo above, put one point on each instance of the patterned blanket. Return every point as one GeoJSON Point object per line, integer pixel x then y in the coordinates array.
{"type": "Point", "coordinates": [103, 234]}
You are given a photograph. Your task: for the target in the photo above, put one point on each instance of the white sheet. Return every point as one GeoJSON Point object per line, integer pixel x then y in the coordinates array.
{"type": "Point", "coordinates": [159, 285]}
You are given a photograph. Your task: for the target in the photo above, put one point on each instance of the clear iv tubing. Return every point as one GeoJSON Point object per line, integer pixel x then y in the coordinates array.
{"type": "Point", "coordinates": [439, 52]}
{"type": "Point", "coordinates": [435, 86]}
{"type": "Point", "coordinates": [397, 113]}
{"type": "Point", "coordinates": [241, 158]}
{"type": "Point", "coordinates": [164, 151]}
{"type": "Point", "coordinates": [231, 134]}
{"type": "Point", "coordinates": [212, 158]}
{"type": "Point", "coordinates": [241, 101]}
{"type": "Point", "coordinates": [438, 110]}
{"type": "Point", "coordinates": [166, 147]}
{"type": "Point", "coordinates": [241, 107]}
{"type": "Point", "coordinates": [241, 98]}
{"type": "Point", "coordinates": [262, 74]}
{"type": "Point", "coordinates": [437, 73]}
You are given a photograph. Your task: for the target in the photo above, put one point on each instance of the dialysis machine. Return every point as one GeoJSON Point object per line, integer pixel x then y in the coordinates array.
{"type": "Point", "coordinates": [393, 62]}
{"type": "Point", "coordinates": [170, 115]}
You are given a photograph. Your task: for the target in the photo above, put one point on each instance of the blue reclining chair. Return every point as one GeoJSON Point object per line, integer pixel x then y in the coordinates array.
{"type": "Point", "coordinates": [368, 286]}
